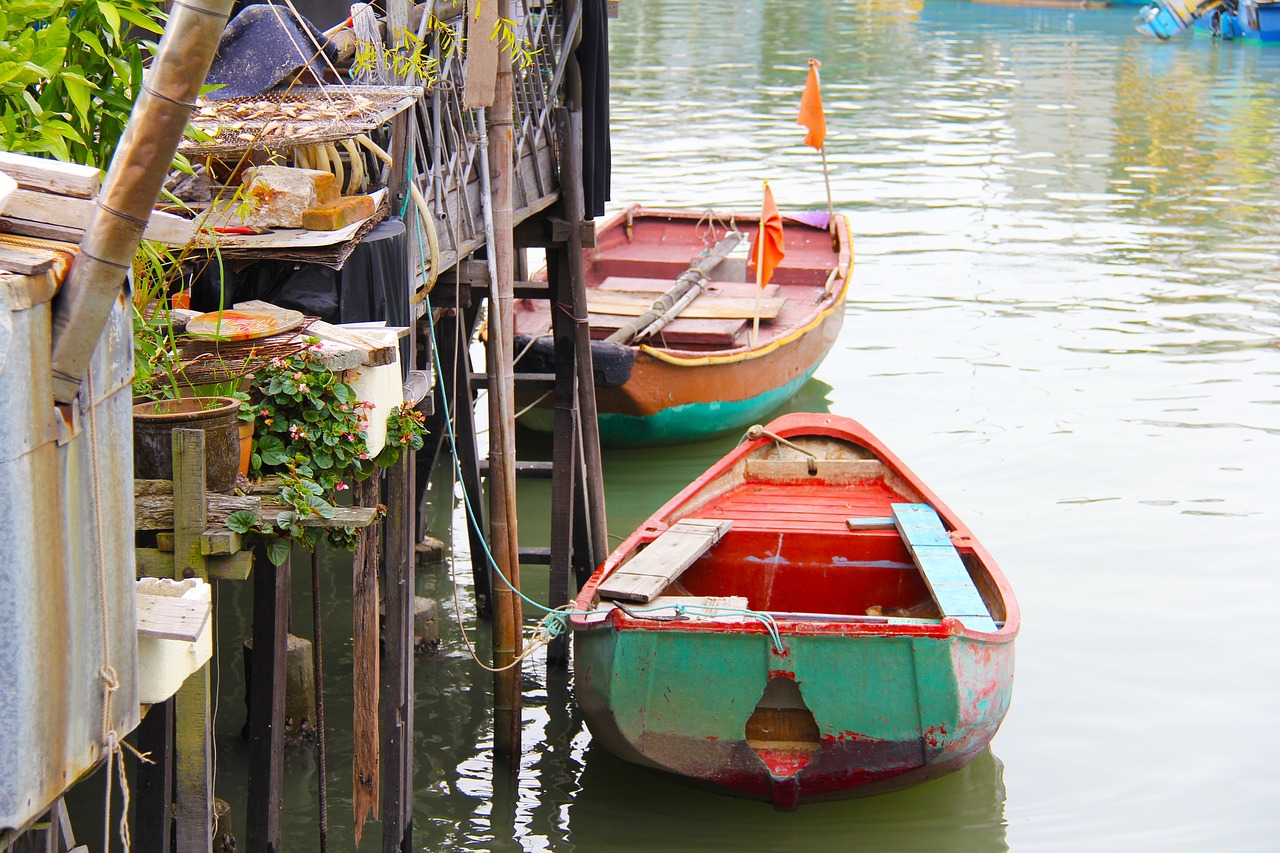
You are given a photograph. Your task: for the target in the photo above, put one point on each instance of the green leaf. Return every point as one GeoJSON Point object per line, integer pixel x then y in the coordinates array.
{"type": "Point", "coordinates": [242, 521]}
{"type": "Point", "coordinates": [278, 550]}
{"type": "Point", "coordinates": [321, 507]}
{"type": "Point", "coordinates": [112, 18]}
{"type": "Point", "coordinates": [271, 449]}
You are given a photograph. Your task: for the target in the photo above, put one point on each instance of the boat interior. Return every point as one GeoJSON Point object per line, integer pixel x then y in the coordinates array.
{"type": "Point", "coordinates": [634, 264]}
{"type": "Point", "coordinates": [793, 552]}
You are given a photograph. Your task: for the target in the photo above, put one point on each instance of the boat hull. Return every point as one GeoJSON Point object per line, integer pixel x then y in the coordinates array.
{"type": "Point", "coordinates": [899, 711]}
{"type": "Point", "coordinates": [682, 392]}
{"type": "Point", "coordinates": [671, 399]}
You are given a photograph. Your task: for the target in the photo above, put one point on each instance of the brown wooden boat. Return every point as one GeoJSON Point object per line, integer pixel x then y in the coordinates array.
{"type": "Point", "coordinates": [701, 371]}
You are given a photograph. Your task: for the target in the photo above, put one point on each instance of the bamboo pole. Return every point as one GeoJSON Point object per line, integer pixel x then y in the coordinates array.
{"type": "Point", "coordinates": [133, 182]}
{"type": "Point", "coordinates": [507, 614]}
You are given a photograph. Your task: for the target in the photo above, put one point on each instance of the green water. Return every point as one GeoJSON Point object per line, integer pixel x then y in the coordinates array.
{"type": "Point", "coordinates": [1063, 316]}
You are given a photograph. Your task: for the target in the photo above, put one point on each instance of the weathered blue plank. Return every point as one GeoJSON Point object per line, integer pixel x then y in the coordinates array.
{"type": "Point", "coordinates": [941, 566]}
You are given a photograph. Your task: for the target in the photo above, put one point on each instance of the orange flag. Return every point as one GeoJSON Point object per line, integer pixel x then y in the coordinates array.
{"type": "Point", "coordinates": [770, 254]}
{"type": "Point", "coordinates": [811, 116]}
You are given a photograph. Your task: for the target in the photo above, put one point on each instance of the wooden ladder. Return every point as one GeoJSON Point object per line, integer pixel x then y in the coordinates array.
{"type": "Point", "coordinates": [578, 541]}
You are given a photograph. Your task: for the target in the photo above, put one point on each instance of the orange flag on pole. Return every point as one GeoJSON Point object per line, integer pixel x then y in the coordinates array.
{"type": "Point", "coordinates": [766, 249]}
{"type": "Point", "coordinates": [811, 115]}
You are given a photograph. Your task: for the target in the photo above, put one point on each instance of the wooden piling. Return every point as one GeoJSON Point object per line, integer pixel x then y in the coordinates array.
{"type": "Point", "coordinates": [266, 699]}
{"type": "Point", "coordinates": [193, 741]}
{"type": "Point", "coordinates": [504, 541]}
{"type": "Point", "coordinates": [153, 814]}
{"type": "Point", "coordinates": [397, 670]}
{"type": "Point", "coordinates": [365, 667]}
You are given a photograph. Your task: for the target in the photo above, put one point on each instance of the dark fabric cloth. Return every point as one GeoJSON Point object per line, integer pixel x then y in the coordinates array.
{"type": "Point", "coordinates": [373, 284]}
{"type": "Point", "coordinates": [593, 60]}
{"type": "Point", "coordinates": [262, 47]}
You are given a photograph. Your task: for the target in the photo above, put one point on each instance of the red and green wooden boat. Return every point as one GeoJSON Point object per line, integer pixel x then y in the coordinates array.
{"type": "Point", "coordinates": [701, 374]}
{"type": "Point", "coordinates": [805, 621]}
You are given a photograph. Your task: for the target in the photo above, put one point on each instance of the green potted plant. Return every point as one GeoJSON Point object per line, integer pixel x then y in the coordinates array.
{"type": "Point", "coordinates": [165, 398]}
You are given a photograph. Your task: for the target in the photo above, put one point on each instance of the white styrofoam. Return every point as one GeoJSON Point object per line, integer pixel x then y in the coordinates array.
{"type": "Point", "coordinates": [164, 664]}
{"type": "Point", "coordinates": [384, 387]}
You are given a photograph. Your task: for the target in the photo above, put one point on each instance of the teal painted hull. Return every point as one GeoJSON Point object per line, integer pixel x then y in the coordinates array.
{"type": "Point", "coordinates": [679, 424]}
{"type": "Point", "coordinates": [891, 711]}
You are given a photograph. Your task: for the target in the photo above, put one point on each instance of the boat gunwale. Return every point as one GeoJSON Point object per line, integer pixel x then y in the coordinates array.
{"type": "Point", "coordinates": [789, 427]}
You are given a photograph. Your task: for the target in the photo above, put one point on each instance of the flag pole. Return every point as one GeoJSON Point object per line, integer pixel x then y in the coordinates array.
{"type": "Point", "coordinates": [831, 208]}
{"type": "Point", "coordinates": [755, 319]}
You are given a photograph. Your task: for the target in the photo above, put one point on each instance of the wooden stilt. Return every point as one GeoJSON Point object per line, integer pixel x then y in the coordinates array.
{"type": "Point", "coordinates": [570, 133]}
{"type": "Point", "coordinates": [365, 666]}
{"type": "Point", "coordinates": [193, 741]}
{"type": "Point", "coordinates": [397, 670]}
{"type": "Point", "coordinates": [565, 441]}
{"type": "Point", "coordinates": [153, 815]}
{"type": "Point", "coordinates": [266, 701]}
{"type": "Point", "coordinates": [317, 663]}
{"type": "Point", "coordinates": [503, 534]}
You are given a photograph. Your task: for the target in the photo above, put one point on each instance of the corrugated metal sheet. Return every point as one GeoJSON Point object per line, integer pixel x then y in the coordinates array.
{"type": "Point", "coordinates": [57, 628]}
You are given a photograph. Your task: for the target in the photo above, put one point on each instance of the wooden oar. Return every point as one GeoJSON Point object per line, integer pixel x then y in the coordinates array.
{"type": "Point", "coordinates": [667, 306]}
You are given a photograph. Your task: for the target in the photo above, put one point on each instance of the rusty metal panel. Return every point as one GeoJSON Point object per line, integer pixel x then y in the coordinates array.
{"type": "Point", "coordinates": [66, 558]}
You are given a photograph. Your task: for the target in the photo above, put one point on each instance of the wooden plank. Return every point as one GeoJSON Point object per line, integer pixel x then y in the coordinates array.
{"type": "Point", "coordinates": [155, 511]}
{"type": "Point", "coordinates": [67, 212]}
{"type": "Point", "coordinates": [827, 470]}
{"type": "Point", "coordinates": [707, 306]}
{"type": "Point", "coordinates": [940, 564]}
{"type": "Point", "coordinates": [154, 563]}
{"type": "Point", "coordinates": [25, 263]}
{"type": "Point", "coordinates": [740, 289]}
{"type": "Point", "coordinates": [648, 573]}
{"type": "Point", "coordinates": [171, 618]}
{"type": "Point", "coordinates": [51, 176]}
{"type": "Point", "coordinates": [869, 523]}
{"type": "Point", "coordinates": [681, 330]}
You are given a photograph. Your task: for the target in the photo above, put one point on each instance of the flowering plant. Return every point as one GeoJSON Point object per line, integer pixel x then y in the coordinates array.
{"type": "Point", "coordinates": [405, 429]}
{"type": "Point", "coordinates": [309, 432]}
{"type": "Point", "coordinates": [308, 413]}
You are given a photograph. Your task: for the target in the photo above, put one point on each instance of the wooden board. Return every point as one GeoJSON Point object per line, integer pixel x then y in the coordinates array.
{"type": "Point", "coordinates": [741, 289]}
{"type": "Point", "coordinates": [67, 212]}
{"type": "Point", "coordinates": [648, 573]}
{"type": "Point", "coordinates": [941, 566]}
{"type": "Point", "coordinates": [679, 332]}
{"type": "Point", "coordinates": [171, 618]}
{"type": "Point", "coordinates": [51, 176]}
{"type": "Point", "coordinates": [629, 303]}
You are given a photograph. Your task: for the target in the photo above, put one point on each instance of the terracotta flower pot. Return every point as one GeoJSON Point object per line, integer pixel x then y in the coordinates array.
{"type": "Point", "coordinates": [154, 422]}
{"type": "Point", "coordinates": [246, 446]}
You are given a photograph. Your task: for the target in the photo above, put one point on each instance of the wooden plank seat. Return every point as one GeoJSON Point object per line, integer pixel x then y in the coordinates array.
{"type": "Point", "coordinates": [681, 331]}
{"type": "Point", "coordinates": [658, 286]}
{"type": "Point", "coordinates": [940, 564]}
{"type": "Point", "coordinates": [710, 305]}
{"type": "Point", "coordinates": [645, 576]}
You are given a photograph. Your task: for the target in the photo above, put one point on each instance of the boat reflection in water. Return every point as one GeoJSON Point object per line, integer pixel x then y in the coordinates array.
{"type": "Point", "coordinates": [963, 811]}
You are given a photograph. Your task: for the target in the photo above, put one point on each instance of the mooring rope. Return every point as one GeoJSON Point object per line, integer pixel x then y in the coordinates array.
{"type": "Point", "coordinates": [111, 742]}
{"type": "Point", "coordinates": [757, 431]}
